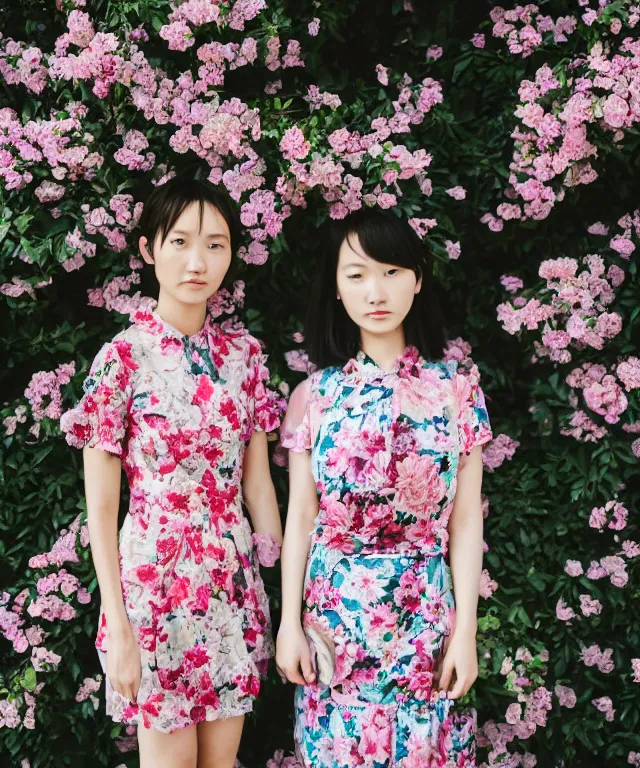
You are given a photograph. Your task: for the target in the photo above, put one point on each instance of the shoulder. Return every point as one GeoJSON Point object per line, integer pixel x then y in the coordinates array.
{"type": "Point", "coordinates": [232, 341]}
{"type": "Point", "coordinates": [120, 349]}
{"type": "Point", "coordinates": [468, 370]}
{"type": "Point", "coordinates": [326, 378]}
{"type": "Point", "coordinates": [300, 396]}
{"type": "Point", "coordinates": [451, 369]}
{"type": "Point", "coordinates": [444, 369]}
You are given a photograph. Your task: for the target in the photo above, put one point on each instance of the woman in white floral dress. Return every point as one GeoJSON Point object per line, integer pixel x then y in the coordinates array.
{"type": "Point", "coordinates": [181, 403]}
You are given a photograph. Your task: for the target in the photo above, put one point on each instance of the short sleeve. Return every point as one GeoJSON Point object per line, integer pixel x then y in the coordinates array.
{"type": "Point", "coordinates": [474, 428]}
{"type": "Point", "coordinates": [100, 419]}
{"type": "Point", "coordinates": [296, 428]}
{"type": "Point", "coordinates": [266, 405]}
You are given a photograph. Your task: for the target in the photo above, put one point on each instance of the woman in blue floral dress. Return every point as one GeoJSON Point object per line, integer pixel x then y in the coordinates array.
{"type": "Point", "coordinates": [384, 529]}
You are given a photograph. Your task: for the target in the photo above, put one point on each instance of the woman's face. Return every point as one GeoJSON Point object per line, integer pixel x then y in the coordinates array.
{"type": "Point", "coordinates": [377, 297]}
{"type": "Point", "coordinates": [195, 256]}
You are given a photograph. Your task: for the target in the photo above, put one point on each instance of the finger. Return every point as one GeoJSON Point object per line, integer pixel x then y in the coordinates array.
{"type": "Point", "coordinates": [445, 677]}
{"type": "Point", "coordinates": [294, 676]}
{"type": "Point", "coordinates": [458, 690]}
{"type": "Point", "coordinates": [307, 668]}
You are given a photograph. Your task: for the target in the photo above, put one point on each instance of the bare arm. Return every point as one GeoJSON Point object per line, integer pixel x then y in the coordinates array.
{"type": "Point", "coordinates": [257, 486]}
{"type": "Point", "coordinates": [465, 553]}
{"type": "Point", "coordinates": [292, 649]}
{"type": "Point", "coordinates": [465, 540]}
{"type": "Point", "coordinates": [102, 473]}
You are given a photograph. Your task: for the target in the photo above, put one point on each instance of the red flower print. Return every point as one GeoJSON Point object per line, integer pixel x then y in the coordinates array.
{"type": "Point", "coordinates": [194, 658]}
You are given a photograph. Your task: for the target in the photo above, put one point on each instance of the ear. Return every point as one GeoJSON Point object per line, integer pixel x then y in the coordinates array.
{"type": "Point", "coordinates": [418, 285]}
{"type": "Point", "coordinates": [144, 250]}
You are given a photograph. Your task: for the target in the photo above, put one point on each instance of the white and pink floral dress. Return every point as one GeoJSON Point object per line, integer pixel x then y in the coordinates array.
{"type": "Point", "coordinates": [179, 412]}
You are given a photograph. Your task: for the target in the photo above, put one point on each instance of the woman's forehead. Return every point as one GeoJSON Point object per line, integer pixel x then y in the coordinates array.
{"type": "Point", "coordinates": [205, 219]}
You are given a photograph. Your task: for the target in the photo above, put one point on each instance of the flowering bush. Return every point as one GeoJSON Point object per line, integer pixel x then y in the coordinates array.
{"type": "Point", "coordinates": [507, 139]}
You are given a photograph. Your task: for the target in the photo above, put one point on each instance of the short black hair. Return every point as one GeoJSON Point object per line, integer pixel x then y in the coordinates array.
{"type": "Point", "coordinates": [167, 202]}
{"type": "Point", "coordinates": [332, 338]}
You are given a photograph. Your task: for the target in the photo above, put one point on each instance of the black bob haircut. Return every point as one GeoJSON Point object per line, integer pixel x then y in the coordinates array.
{"type": "Point", "coordinates": [332, 338]}
{"type": "Point", "coordinates": [166, 203]}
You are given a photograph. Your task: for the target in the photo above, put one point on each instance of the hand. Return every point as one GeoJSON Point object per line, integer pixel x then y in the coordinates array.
{"type": "Point", "coordinates": [293, 654]}
{"type": "Point", "coordinates": [123, 663]}
{"type": "Point", "coordinates": [461, 657]}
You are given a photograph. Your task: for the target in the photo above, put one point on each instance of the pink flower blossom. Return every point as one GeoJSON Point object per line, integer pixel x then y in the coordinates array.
{"type": "Point", "coordinates": [564, 612]}
{"type": "Point", "coordinates": [511, 283]}
{"type": "Point", "coordinates": [267, 549]}
{"type": "Point", "coordinates": [293, 145]}
{"type": "Point", "coordinates": [590, 606]}
{"type": "Point", "coordinates": [623, 245]}
{"type": "Point", "coordinates": [628, 372]}
{"type": "Point", "coordinates": [566, 696]}
{"type": "Point", "coordinates": [500, 449]}
{"type": "Point", "coordinates": [314, 27]}
{"type": "Point", "coordinates": [457, 193]}
{"type": "Point", "coordinates": [573, 568]}
{"type": "Point", "coordinates": [422, 226]}
{"type": "Point", "coordinates": [487, 585]}
{"type": "Point", "coordinates": [298, 360]}
{"type": "Point", "coordinates": [513, 713]}
{"type": "Point", "coordinates": [382, 74]}
{"type": "Point", "coordinates": [453, 249]}
{"type": "Point", "coordinates": [605, 705]}
{"type": "Point", "coordinates": [42, 659]}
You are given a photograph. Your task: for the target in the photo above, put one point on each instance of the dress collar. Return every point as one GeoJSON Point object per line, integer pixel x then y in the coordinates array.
{"type": "Point", "coordinates": [364, 367]}
{"type": "Point", "coordinates": [148, 319]}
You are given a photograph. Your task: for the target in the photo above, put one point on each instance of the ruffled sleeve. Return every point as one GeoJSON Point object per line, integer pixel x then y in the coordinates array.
{"type": "Point", "coordinates": [296, 428]}
{"type": "Point", "coordinates": [474, 428]}
{"type": "Point", "coordinates": [100, 419]}
{"type": "Point", "coordinates": [266, 405]}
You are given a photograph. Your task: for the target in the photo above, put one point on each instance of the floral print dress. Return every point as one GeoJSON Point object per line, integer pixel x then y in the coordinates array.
{"type": "Point", "coordinates": [179, 411]}
{"type": "Point", "coordinates": [385, 449]}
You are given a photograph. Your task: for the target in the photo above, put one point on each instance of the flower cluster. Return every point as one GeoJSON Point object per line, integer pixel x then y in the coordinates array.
{"type": "Point", "coordinates": [524, 28]}
{"type": "Point", "coordinates": [600, 91]}
{"type": "Point", "coordinates": [525, 674]}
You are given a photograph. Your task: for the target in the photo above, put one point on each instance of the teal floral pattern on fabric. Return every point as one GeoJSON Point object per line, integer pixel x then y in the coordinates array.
{"type": "Point", "coordinates": [385, 449]}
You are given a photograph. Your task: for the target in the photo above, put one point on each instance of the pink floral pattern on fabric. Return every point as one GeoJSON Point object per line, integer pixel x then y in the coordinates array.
{"type": "Point", "coordinates": [385, 451]}
{"type": "Point", "coordinates": [267, 549]}
{"type": "Point", "coordinates": [179, 411]}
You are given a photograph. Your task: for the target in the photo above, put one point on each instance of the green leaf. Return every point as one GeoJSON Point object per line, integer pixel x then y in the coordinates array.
{"type": "Point", "coordinates": [29, 679]}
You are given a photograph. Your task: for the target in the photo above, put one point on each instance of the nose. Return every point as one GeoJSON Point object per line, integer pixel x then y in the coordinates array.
{"type": "Point", "coordinates": [376, 293]}
{"type": "Point", "coordinates": [196, 263]}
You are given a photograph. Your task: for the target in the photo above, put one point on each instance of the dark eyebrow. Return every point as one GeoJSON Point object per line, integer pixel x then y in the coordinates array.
{"type": "Point", "coordinates": [211, 235]}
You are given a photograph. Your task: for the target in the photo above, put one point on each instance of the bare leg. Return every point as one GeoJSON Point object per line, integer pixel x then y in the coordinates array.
{"type": "Point", "coordinates": [168, 750]}
{"type": "Point", "coordinates": [218, 742]}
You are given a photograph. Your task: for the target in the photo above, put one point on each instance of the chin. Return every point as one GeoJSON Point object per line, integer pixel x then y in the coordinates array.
{"type": "Point", "coordinates": [191, 296]}
{"type": "Point", "coordinates": [380, 327]}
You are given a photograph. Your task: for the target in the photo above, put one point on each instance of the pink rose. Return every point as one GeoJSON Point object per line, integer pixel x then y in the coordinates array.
{"type": "Point", "coordinates": [419, 486]}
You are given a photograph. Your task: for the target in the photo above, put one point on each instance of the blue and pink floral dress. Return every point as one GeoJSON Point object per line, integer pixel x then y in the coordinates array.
{"type": "Point", "coordinates": [179, 411]}
{"type": "Point", "coordinates": [385, 450]}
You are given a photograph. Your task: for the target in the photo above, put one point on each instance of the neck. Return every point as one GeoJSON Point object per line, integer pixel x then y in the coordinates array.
{"type": "Point", "coordinates": [185, 318]}
{"type": "Point", "coordinates": [383, 350]}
